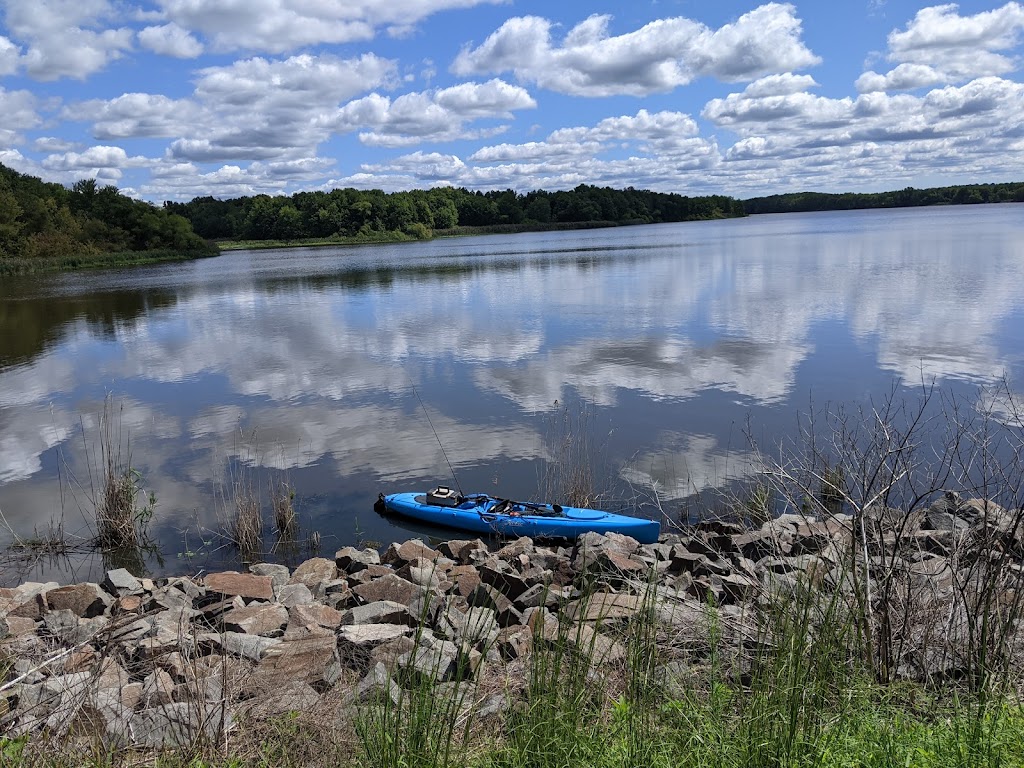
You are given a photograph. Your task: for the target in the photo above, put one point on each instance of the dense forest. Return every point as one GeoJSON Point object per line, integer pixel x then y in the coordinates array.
{"type": "Point", "coordinates": [368, 214]}
{"type": "Point", "coordinates": [903, 198]}
{"type": "Point", "coordinates": [44, 225]}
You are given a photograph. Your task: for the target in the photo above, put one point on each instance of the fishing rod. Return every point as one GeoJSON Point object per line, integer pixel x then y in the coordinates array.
{"type": "Point", "coordinates": [443, 451]}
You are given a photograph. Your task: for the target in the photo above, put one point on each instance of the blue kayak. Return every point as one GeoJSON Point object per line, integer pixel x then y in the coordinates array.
{"type": "Point", "coordinates": [485, 514]}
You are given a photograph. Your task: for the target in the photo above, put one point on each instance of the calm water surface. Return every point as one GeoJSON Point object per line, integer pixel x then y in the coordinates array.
{"type": "Point", "coordinates": [309, 365]}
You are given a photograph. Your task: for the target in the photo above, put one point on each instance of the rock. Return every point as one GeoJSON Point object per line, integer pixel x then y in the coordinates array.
{"type": "Point", "coordinates": [487, 596]}
{"type": "Point", "coordinates": [399, 554]}
{"type": "Point", "coordinates": [157, 689]}
{"type": "Point", "coordinates": [314, 571]}
{"type": "Point", "coordinates": [465, 580]}
{"type": "Point", "coordinates": [514, 642]}
{"type": "Point", "coordinates": [302, 659]}
{"type": "Point", "coordinates": [314, 616]}
{"type": "Point", "coordinates": [508, 582]}
{"type": "Point", "coordinates": [19, 626]}
{"type": "Point", "coordinates": [120, 582]}
{"type": "Point", "coordinates": [603, 607]}
{"type": "Point", "coordinates": [352, 560]}
{"type": "Point", "coordinates": [371, 634]}
{"type": "Point", "coordinates": [463, 551]}
{"type": "Point", "coordinates": [238, 644]}
{"type": "Point", "coordinates": [291, 595]}
{"type": "Point", "coordinates": [84, 600]}
{"type": "Point", "coordinates": [390, 587]}
{"type": "Point", "coordinates": [278, 573]}
{"type": "Point", "coordinates": [379, 612]}
{"type": "Point", "coordinates": [432, 664]}
{"type": "Point", "coordinates": [245, 585]}
{"type": "Point", "coordinates": [376, 684]}
{"type": "Point", "coordinates": [598, 647]}
{"type": "Point", "coordinates": [755, 544]}
{"type": "Point", "coordinates": [128, 604]}
{"type": "Point", "coordinates": [424, 576]}
{"type": "Point", "coordinates": [64, 626]}
{"type": "Point", "coordinates": [479, 626]}
{"type": "Point", "coordinates": [177, 725]}
{"type": "Point", "coordinates": [257, 619]}
{"type": "Point", "coordinates": [539, 594]}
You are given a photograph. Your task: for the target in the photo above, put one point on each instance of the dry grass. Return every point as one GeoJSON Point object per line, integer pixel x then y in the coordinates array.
{"type": "Point", "coordinates": [120, 518]}
{"type": "Point", "coordinates": [286, 520]}
{"type": "Point", "coordinates": [247, 525]}
{"type": "Point", "coordinates": [577, 467]}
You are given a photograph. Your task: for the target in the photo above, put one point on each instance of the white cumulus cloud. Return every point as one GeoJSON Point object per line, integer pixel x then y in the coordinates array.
{"type": "Point", "coordinates": [438, 115]}
{"type": "Point", "coordinates": [170, 40]}
{"type": "Point", "coordinates": [940, 46]}
{"type": "Point", "coordinates": [658, 57]}
{"type": "Point", "coordinates": [279, 26]}
{"type": "Point", "coordinates": [66, 38]}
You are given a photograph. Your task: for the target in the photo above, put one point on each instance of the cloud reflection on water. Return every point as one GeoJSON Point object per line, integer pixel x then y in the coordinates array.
{"type": "Point", "coordinates": [320, 364]}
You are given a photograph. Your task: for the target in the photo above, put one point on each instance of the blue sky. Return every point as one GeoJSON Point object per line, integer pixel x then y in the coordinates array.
{"type": "Point", "coordinates": [172, 99]}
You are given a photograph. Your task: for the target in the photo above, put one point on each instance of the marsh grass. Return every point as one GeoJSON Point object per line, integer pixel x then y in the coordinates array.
{"type": "Point", "coordinates": [121, 520]}
{"type": "Point", "coordinates": [413, 721]}
{"type": "Point", "coordinates": [577, 467]}
{"type": "Point", "coordinates": [282, 501]}
{"type": "Point", "coordinates": [239, 502]}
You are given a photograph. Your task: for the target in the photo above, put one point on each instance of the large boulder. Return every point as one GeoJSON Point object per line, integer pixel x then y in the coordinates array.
{"type": "Point", "coordinates": [244, 585]}
{"type": "Point", "coordinates": [84, 600]}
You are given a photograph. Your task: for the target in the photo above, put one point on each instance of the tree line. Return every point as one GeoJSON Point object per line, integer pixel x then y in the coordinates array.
{"type": "Point", "coordinates": [353, 213]}
{"type": "Point", "coordinates": [968, 194]}
{"type": "Point", "coordinates": [43, 221]}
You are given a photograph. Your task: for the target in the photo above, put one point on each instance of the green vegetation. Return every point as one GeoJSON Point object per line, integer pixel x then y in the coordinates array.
{"type": "Point", "coordinates": [794, 696]}
{"type": "Point", "coordinates": [968, 194]}
{"type": "Point", "coordinates": [47, 227]}
{"type": "Point", "coordinates": [352, 215]}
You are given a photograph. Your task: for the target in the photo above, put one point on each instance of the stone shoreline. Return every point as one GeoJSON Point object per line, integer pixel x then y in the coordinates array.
{"type": "Point", "coordinates": [158, 662]}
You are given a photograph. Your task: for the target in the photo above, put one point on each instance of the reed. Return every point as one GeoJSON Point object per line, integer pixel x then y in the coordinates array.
{"type": "Point", "coordinates": [120, 519]}
{"type": "Point", "coordinates": [577, 471]}
{"type": "Point", "coordinates": [286, 520]}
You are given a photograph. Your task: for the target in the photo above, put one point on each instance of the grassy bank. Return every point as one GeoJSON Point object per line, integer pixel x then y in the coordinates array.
{"type": "Point", "coordinates": [376, 237]}
{"type": "Point", "coordinates": [794, 695]}
{"type": "Point", "coordinates": [41, 265]}
{"type": "Point", "coordinates": [314, 242]}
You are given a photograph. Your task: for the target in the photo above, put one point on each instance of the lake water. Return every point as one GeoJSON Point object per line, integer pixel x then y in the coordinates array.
{"type": "Point", "coordinates": [331, 369]}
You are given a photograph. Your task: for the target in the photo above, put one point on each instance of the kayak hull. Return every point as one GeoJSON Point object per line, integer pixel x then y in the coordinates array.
{"type": "Point", "coordinates": [484, 514]}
